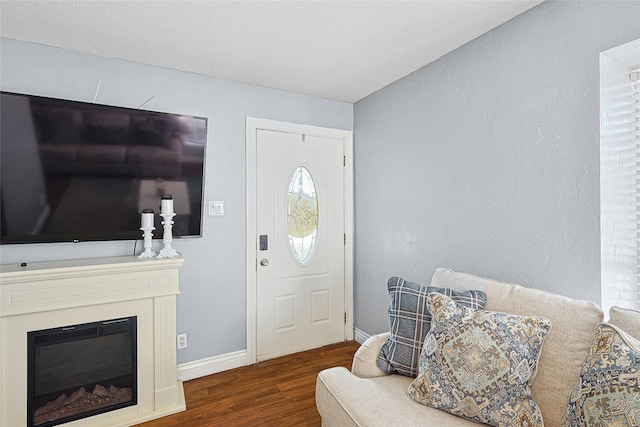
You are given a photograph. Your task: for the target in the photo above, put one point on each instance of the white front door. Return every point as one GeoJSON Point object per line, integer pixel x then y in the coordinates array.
{"type": "Point", "coordinates": [300, 286]}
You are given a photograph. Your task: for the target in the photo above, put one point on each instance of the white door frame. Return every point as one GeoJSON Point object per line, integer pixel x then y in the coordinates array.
{"type": "Point", "coordinates": [252, 126]}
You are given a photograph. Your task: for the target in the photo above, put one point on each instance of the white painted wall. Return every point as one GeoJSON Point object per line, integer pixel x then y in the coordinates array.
{"type": "Point", "coordinates": [212, 304]}
{"type": "Point", "coordinates": [487, 160]}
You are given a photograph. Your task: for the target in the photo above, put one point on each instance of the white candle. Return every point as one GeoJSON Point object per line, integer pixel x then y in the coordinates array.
{"type": "Point", "coordinates": [167, 204]}
{"type": "Point", "coordinates": [147, 219]}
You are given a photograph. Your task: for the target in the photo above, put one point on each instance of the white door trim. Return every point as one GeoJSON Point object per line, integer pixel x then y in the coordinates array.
{"type": "Point", "coordinates": [252, 126]}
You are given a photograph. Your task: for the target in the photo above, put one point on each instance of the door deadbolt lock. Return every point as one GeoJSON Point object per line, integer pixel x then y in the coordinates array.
{"type": "Point", "coordinates": [264, 242]}
{"type": "Point", "coordinates": [264, 262]}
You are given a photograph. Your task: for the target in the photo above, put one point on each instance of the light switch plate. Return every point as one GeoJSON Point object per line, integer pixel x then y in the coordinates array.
{"type": "Point", "coordinates": [216, 208]}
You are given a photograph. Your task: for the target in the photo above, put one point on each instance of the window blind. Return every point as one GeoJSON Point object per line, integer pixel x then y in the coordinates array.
{"type": "Point", "coordinates": [620, 184]}
{"type": "Point", "coordinates": [634, 79]}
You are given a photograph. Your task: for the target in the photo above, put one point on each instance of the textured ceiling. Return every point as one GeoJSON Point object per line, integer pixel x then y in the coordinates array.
{"type": "Point", "coordinates": [343, 50]}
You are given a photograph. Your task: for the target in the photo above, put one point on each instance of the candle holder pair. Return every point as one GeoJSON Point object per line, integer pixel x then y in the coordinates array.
{"type": "Point", "coordinates": [166, 212]}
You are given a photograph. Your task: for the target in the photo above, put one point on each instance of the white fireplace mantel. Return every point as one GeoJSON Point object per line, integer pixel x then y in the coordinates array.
{"type": "Point", "coordinates": [56, 294]}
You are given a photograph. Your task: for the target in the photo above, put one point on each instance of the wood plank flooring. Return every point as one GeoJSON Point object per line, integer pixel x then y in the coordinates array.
{"type": "Point", "coordinates": [278, 392]}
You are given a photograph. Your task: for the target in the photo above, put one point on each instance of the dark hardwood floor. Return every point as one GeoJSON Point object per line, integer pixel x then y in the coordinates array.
{"type": "Point", "coordinates": [277, 392]}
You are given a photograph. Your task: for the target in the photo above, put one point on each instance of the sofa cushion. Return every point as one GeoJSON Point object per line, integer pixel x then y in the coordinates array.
{"type": "Point", "coordinates": [149, 129]}
{"type": "Point", "coordinates": [410, 320]}
{"type": "Point", "coordinates": [343, 399]}
{"type": "Point", "coordinates": [566, 345]}
{"type": "Point", "coordinates": [67, 152]}
{"type": "Point", "coordinates": [479, 364]}
{"type": "Point", "coordinates": [626, 319]}
{"type": "Point", "coordinates": [106, 127]}
{"type": "Point", "coordinates": [59, 125]}
{"type": "Point", "coordinates": [102, 153]}
{"type": "Point", "coordinates": [608, 391]}
{"type": "Point", "coordinates": [150, 154]}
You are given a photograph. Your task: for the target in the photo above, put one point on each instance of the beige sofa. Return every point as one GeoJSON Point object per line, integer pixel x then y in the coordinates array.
{"type": "Point", "coordinates": [368, 396]}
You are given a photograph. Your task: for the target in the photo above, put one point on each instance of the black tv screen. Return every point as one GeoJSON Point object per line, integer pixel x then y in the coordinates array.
{"type": "Point", "coordinates": [73, 171]}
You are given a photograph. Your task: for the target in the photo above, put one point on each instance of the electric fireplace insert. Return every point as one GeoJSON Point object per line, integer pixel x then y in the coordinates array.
{"type": "Point", "coordinates": [79, 371]}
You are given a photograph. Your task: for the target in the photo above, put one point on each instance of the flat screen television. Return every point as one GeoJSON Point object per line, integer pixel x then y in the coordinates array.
{"type": "Point", "coordinates": [73, 171]}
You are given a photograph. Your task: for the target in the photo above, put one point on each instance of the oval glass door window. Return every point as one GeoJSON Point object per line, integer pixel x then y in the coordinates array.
{"type": "Point", "coordinates": [302, 215]}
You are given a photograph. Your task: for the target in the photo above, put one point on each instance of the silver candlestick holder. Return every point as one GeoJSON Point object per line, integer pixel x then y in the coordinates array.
{"type": "Point", "coordinates": [147, 228]}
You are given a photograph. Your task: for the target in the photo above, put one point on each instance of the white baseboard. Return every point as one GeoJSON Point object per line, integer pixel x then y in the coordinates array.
{"type": "Point", "coordinates": [359, 335]}
{"type": "Point", "coordinates": [211, 365]}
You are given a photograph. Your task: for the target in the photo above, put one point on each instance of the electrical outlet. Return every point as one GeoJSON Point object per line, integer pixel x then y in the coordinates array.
{"type": "Point", "coordinates": [181, 341]}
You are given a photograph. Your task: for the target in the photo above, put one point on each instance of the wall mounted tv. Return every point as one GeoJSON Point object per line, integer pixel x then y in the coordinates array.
{"type": "Point", "coordinates": [73, 171]}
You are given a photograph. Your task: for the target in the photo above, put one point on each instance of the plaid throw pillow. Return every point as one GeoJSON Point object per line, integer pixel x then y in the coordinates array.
{"type": "Point", "coordinates": [410, 320]}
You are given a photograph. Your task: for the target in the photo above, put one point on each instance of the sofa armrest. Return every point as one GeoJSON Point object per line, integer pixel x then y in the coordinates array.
{"type": "Point", "coordinates": [364, 361]}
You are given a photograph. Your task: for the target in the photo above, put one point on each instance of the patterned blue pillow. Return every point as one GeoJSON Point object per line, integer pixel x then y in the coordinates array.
{"type": "Point", "coordinates": [479, 364]}
{"type": "Point", "coordinates": [410, 320]}
{"type": "Point", "coordinates": [608, 392]}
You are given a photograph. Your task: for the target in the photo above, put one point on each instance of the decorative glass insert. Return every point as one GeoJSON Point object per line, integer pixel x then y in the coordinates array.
{"type": "Point", "coordinates": [302, 215]}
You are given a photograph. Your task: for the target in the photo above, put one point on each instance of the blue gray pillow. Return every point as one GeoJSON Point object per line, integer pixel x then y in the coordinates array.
{"type": "Point", "coordinates": [410, 320]}
{"type": "Point", "coordinates": [608, 391]}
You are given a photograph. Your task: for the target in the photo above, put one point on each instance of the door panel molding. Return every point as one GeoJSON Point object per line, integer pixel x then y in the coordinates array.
{"type": "Point", "coordinates": [252, 127]}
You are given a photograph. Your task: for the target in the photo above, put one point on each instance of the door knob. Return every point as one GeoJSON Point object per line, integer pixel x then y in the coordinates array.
{"type": "Point", "coordinates": [264, 262]}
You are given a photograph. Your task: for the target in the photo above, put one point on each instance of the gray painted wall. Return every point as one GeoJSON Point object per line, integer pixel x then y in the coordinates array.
{"type": "Point", "coordinates": [487, 160]}
{"type": "Point", "coordinates": [212, 304]}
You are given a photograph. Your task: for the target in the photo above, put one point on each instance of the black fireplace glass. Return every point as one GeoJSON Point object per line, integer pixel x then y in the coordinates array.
{"type": "Point", "coordinates": [81, 370]}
